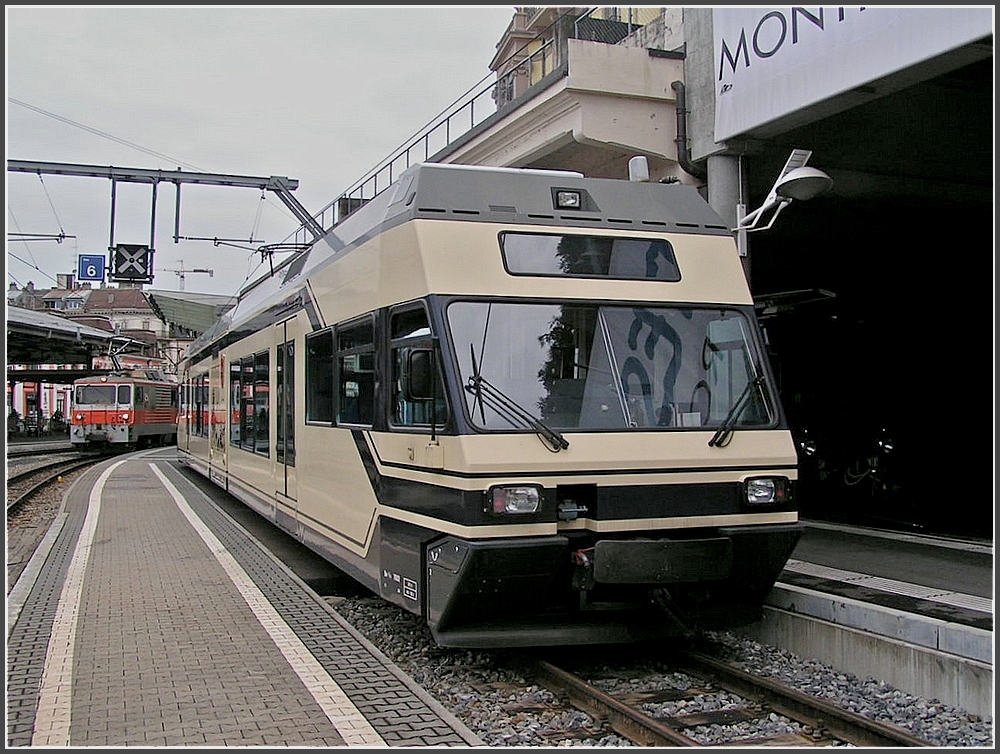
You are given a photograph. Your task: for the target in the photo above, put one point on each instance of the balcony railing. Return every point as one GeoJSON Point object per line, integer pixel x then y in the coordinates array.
{"type": "Point", "coordinates": [530, 64]}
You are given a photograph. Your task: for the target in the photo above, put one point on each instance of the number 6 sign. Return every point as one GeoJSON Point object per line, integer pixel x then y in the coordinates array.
{"type": "Point", "coordinates": [90, 267]}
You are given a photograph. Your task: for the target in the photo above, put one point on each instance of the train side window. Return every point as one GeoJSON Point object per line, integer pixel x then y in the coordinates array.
{"type": "Point", "coordinates": [246, 403]}
{"type": "Point", "coordinates": [235, 394]}
{"type": "Point", "coordinates": [285, 383]}
{"type": "Point", "coordinates": [261, 397]}
{"type": "Point", "coordinates": [411, 338]}
{"type": "Point", "coordinates": [200, 408]}
{"type": "Point", "coordinates": [319, 376]}
{"type": "Point", "coordinates": [356, 372]}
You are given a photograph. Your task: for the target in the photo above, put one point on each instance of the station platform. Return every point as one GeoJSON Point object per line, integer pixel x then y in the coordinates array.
{"type": "Point", "coordinates": [148, 617]}
{"type": "Point", "coordinates": [915, 611]}
{"type": "Point", "coordinates": [151, 616]}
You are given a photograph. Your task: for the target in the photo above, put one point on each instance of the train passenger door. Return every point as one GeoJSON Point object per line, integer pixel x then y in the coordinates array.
{"type": "Point", "coordinates": [285, 478]}
{"type": "Point", "coordinates": [217, 416]}
{"type": "Point", "coordinates": [184, 412]}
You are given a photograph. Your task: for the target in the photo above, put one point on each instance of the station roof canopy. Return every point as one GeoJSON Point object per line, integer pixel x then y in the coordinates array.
{"type": "Point", "coordinates": [194, 311]}
{"type": "Point", "coordinates": [40, 338]}
{"type": "Point", "coordinates": [35, 338]}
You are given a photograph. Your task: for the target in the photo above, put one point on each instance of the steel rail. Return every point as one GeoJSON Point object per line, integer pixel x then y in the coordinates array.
{"type": "Point", "coordinates": [66, 467]}
{"type": "Point", "coordinates": [845, 725]}
{"type": "Point", "coordinates": [19, 451]}
{"type": "Point", "coordinates": [628, 722]}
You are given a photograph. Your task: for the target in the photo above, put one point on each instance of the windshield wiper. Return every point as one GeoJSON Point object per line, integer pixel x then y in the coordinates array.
{"type": "Point", "coordinates": [490, 395]}
{"type": "Point", "coordinates": [724, 433]}
{"type": "Point", "coordinates": [478, 391]}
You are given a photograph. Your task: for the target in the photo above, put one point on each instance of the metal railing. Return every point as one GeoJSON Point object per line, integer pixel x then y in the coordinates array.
{"type": "Point", "coordinates": [613, 25]}
{"type": "Point", "coordinates": [488, 96]}
{"type": "Point", "coordinates": [462, 116]}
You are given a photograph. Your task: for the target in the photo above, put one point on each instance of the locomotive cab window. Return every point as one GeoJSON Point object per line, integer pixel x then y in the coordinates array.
{"type": "Point", "coordinates": [95, 395]}
{"type": "Point", "coordinates": [589, 256]}
{"type": "Point", "coordinates": [356, 372]}
{"type": "Point", "coordinates": [417, 381]}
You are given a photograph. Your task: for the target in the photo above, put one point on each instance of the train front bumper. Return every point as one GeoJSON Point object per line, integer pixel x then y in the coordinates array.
{"type": "Point", "coordinates": [550, 591]}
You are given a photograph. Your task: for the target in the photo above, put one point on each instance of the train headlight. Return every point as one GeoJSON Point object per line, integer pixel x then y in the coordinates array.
{"type": "Point", "coordinates": [125, 417]}
{"type": "Point", "coordinates": [79, 417]}
{"type": "Point", "coordinates": [568, 200]}
{"type": "Point", "coordinates": [766, 490]}
{"type": "Point", "coordinates": [514, 499]}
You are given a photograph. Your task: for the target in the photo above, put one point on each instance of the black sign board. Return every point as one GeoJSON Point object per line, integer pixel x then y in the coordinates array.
{"type": "Point", "coordinates": [131, 263]}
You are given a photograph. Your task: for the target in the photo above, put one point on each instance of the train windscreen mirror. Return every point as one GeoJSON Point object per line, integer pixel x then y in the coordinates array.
{"type": "Point", "coordinates": [419, 383]}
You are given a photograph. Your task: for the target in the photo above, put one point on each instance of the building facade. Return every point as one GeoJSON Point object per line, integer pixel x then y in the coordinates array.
{"type": "Point", "coordinates": [894, 105]}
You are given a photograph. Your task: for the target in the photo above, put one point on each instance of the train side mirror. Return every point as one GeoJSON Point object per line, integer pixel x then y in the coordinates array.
{"type": "Point", "coordinates": [419, 382]}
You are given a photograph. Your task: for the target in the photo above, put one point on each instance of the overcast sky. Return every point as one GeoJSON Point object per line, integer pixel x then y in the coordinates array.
{"type": "Point", "coordinates": [317, 94]}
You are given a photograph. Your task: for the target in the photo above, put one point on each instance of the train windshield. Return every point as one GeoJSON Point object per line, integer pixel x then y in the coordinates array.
{"type": "Point", "coordinates": [580, 366]}
{"type": "Point", "coordinates": [102, 395]}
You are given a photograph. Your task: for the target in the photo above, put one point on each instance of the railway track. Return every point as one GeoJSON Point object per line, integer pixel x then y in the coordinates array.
{"type": "Point", "coordinates": [22, 450]}
{"type": "Point", "coordinates": [23, 485]}
{"type": "Point", "coordinates": [656, 717]}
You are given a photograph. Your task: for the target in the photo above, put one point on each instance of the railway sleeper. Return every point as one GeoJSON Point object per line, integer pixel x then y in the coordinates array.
{"type": "Point", "coordinates": [713, 717]}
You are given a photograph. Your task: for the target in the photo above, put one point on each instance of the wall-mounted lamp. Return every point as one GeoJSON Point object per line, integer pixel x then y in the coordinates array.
{"type": "Point", "coordinates": [796, 181]}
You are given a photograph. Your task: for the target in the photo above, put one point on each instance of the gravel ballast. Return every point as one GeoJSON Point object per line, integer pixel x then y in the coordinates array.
{"type": "Point", "coordinates": [503, 709]}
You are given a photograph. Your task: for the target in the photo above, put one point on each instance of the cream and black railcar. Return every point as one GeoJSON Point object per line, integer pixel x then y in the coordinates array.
{"type": "Point", "coordinates": [531, 407]}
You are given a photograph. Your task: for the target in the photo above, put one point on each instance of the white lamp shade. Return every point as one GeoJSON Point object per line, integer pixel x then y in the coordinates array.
{"type": "Point", "coordinates": [803, 183]}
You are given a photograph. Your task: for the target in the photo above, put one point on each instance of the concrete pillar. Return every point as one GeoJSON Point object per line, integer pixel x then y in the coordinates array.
{"type": "Point", "coordinates": [724, 192]}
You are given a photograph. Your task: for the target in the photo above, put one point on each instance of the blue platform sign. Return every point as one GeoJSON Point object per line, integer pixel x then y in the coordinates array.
{"type": "Point", "coordinates": [91, 267]}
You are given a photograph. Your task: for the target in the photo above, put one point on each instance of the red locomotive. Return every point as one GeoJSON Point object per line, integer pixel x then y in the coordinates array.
{"type": "Point", "coordinates": [124, 410]}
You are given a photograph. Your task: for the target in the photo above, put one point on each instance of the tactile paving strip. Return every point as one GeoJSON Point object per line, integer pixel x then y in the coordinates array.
{"type": "Point", "coordinates": [400, 716]}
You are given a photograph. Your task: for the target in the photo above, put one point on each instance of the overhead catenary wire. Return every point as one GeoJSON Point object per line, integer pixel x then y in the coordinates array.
{"type": "Point", "coordinates": [103, 134]}
{"type": "Point", "coordinates": [32, 265]}
{"type": "Point", "coordinates": [260, 208]}
{"type": "Point", "coordinates": [23, 240]}
{"type": "Point", "coordinates": [62, 231]}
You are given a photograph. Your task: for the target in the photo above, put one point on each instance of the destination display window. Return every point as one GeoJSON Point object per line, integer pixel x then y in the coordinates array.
{"type": "Point", "coordinates": [587, 256]}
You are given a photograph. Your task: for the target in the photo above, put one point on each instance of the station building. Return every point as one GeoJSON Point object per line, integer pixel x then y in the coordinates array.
{"type": "Point", "coordinates": [876, 295]}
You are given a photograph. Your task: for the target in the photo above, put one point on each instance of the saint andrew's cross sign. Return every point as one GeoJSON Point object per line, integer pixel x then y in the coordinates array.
{"type": "Point", "coordinates": [131, 263]}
